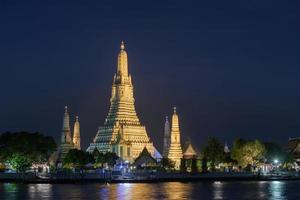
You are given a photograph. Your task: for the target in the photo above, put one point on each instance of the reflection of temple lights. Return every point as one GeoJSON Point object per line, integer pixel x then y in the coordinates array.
{"type": "Point", "coordinates": [218, 190]}
{"type": "Point", "coordinates": [126, 184]}
{"type": "Point", "coordinates": [276, 189]}
{"type": "Point", "coordinates": [217, 182]}
{"type": "Point", "coordinates": [40, 190]}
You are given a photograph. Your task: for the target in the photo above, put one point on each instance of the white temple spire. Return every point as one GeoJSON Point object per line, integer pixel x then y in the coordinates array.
{"type": "Point", "coordinates": [66, 131]}
{"type": "Point", "coordinates": [166, 137]}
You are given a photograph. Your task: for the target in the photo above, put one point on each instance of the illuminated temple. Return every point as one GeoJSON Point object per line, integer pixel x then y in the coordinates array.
{"type": "Point", "coordinates": [67, 142]}
{"type": "Point", "coordinates": [175, 150]}
{"type": "Point", "coordinates": [122, 131]}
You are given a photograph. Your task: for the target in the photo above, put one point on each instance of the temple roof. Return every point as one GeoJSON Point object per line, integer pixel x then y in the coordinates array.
{"type": "Point", "coordinates": [145, 158]}
{"type": "Point", "coordinates": [189, 151]}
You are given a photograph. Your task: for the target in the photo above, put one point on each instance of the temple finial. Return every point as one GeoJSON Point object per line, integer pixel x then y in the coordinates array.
{"type": "Point", "coordinates": [174, 108]}
{"type": "Point", "coordinates": [122, 45]}
{"type": "Point", "coordinates": [66, 108]}
{"type": "Point", "coordinates": [167, 118]}
{"type": "Point", "coordinates": [76, 117]}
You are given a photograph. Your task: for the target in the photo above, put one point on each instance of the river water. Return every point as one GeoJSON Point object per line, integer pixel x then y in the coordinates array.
{"type": "Point", "coordinates": [235, 190]}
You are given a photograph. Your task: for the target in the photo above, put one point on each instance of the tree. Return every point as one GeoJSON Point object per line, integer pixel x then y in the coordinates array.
{"type": "Point", "coordinates": [248, 152]}
{"type": "Point", "coordinates": [110, 158]}
{"type": "Point", "coordinates": [214, 152]}
{"type": "Point", "coordinates": [19, 162]}
{"type": "Point", "coordinates": [166, 163]}
{"type": "Point", "coordinates": [183, 164]}
{"type": "Point", "coordinates": [194, 167]}
{"type": "Point", "coordinates": [237, 148]}
{"type": "Point", "coordinates": [76, 159]}
{"type": "Point", "coordinates": [32, 147]}
{"type": "Point", "coordinates": [273, 151]}
{"type": "Point", "coordinates": [99, 158]}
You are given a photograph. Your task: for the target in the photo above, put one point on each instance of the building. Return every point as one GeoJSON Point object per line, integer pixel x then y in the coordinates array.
{"type": "Point", "coordinates": [189, 152]}
{"type": "Point", "coordinates": [167, 138]}
{"type": "Point", "coordinates": [122, 131]}
{"type": "Point", "coordinates": [175, 150]}
{"type": "Point", "coordinates": [76, 136]}
{"type": "Point", "coordinates": [293, 147]}
{"type": "Point", "coordinates": [67, 142]}
{"type": "Point", "coordinates": [190, 160]}
{"type": "Point", "coordinates": [145, 160]}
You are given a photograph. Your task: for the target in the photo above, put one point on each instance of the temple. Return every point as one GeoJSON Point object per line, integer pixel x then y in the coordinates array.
{"type": "Point", "coordinates": [166, 138]}
{"type": "Point", "coordinates": [67, 142]}
{"type": "Point", "coordinates": [122, 131]}
{"type": "Point", "coordinates": [175, 150]}
{"type": "Point", "coordinates": [76, 136]}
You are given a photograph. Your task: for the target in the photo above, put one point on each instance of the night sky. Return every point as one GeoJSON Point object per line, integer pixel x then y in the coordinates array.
{"type": "Point", "coordinates": [230, 67]}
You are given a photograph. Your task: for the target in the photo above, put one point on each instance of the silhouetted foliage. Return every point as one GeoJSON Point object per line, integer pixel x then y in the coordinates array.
{"type": "Point", "coordinates": [77, 159]}
{"type": "Point", "coordinates": [166, 163]}
{"type": "Point", "coordinates": [214, 151]}
{"type": "Point", "coordinates": [110, 158]}
{"type": "Point", "coordinates": [183, 167]}
{"type": "Point", "coordinates": [24, 147]}
{"type": "Point", "coordinates": [194, 167]}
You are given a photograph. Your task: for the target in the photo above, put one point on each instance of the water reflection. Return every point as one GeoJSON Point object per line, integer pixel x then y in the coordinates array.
{"type": "Point", "coordinates": [170, 190]}
{"type": "Point", "coordinates": [218, 190]}
{"type": "Point", "coordinates": [277, 190]}
{"type": "Point", "coordinates": [8, 190]}
{"type": "Point", "coordinates": [40, 191]}
{"type": "Point", "coordinates": [176, 190]}
{"type": "Point", "coordinates": [173, 190]}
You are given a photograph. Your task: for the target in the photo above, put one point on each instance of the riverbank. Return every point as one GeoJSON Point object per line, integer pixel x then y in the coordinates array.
{"type": "Point", "coordinates": [153, 178]}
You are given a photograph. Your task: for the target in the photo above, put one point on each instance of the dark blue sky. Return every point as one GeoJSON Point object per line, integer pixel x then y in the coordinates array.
{"type": "Point", "coordinates": [231, 67]}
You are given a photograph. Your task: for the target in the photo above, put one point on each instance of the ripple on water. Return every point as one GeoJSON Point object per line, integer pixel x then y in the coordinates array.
{"type": "Point", "coordinates": [143, 191]}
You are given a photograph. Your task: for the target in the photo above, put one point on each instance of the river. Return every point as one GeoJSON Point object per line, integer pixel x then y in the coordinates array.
{"type": "Point", "coordinates": [235, 190]}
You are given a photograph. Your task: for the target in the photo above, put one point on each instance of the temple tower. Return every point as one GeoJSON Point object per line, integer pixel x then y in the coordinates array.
{"type": "Point", "coordinates": [226, 148]}
{"type": "Point", "coordinates": [166, 138]}
{"type": "Point", "coordinates": [76, 134]}
{"type": "Point", "coordinates": [175, 150]}
{"type": "Point", "coordinates": [66, 131]}
{"type": "Point", "coordinates": [66, 138]}
{"type": "Point", "coordinates": [122, 131]}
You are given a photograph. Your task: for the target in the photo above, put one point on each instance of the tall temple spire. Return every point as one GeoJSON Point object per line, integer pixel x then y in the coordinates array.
{"type": "Point", "coordinates": [76, 136]}
{"type": "Point", "coordinates": [175, 150]}
{"type": "Point", "coordinates": [66, 131]}
{"type": "Point", "coordinates": [66, 139]}
{"type": "Point", "coordinates": [166, 137]}
{"type": "Point", "coordinates": [122, 69]}
{"type": "Point", "coordinates": [175, 133]}
{"type": "Point", "coordinates": [122, 119]}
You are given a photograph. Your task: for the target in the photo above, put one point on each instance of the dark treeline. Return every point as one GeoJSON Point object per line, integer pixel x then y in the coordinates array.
{"type": "Point", "coordinates": [22, 149]}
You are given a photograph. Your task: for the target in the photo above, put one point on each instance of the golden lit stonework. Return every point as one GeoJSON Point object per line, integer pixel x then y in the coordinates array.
{"type": "Point", "coordinates": [175, 150]}
{"type": "Point", "coordinates": [122, 131]}
{"type": "Point", "coordinates": [76, 134]}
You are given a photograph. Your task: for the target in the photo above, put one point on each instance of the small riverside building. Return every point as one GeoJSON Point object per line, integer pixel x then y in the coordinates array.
{"type": "Point", "coordinates": [145, 160]}
{"type": "Point", "coordinates": [190, 160]}
{"type": "Point", "coordinates": [293, 147]}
